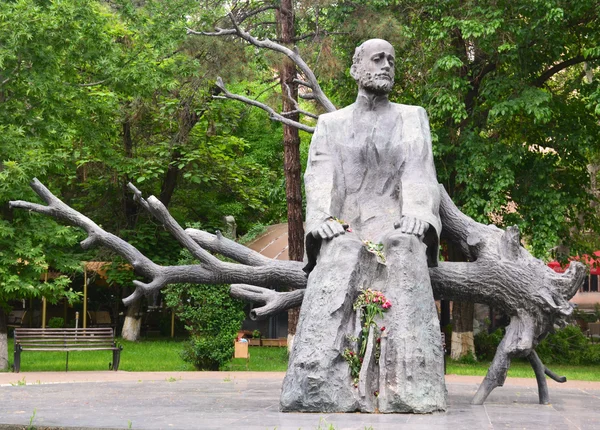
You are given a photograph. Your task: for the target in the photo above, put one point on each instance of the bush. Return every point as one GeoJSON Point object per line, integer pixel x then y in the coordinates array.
{"type": "Point", "coordinates": [56, 322]}
{"type": "Point", "coordinates": [568, 346]}
{"type": "Point", "coordinates": [211, 317]}
{"type": "Point", "coordinates": [487, 343]}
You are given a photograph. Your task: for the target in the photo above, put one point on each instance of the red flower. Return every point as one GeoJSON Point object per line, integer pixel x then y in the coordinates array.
{"type": "Point", "coordinates": [378, 340]}
{"type": "Point", "coordinates": [382, 328]}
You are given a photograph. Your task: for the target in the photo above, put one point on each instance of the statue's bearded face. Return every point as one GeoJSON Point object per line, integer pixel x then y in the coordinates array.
{"type": "Point", "coordinates": [374, 70]}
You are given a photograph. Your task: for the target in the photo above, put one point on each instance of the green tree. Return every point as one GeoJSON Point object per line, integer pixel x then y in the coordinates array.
{"type": "Point", "coordinates": [42, 71]}
{"type": "Point", "coordinates": [211, 317]}
{"type": "Point", "coordinates": [96, 94]}
{"type": "Point", "coordinates": [511, 95]}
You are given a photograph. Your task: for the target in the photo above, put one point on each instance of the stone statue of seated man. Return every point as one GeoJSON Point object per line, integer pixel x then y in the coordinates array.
{"type": "Point", "coordinates": [370, 178]}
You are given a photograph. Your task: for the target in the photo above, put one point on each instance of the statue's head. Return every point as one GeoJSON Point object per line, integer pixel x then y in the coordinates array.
{"type": "Point", "coordinates": [373, 66]}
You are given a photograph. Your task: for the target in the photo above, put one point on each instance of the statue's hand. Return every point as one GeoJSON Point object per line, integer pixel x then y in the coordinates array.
{"type": "Point", "coordinates": [410, 225]}
{"type": "Point", "coordinates": [329, 229]}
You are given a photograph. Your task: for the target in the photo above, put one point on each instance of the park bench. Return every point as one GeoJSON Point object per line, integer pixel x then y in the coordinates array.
{"type": "Point", "coordinates": [593, 331]}
{"type": "Point", "coordinates": [66, 339]}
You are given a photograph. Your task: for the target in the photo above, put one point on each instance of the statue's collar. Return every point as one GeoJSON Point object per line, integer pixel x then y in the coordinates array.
{"type": "Point", "coordinates": [372, 102]}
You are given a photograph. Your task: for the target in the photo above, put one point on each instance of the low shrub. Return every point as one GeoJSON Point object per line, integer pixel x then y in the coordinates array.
{"type": "Point", "coordinates": [568, 346]}
{"type": "Point", "coordinates": [565, 346]}
{"type": "Point", "coordinates": [487, 343]}
{"type": "Point", "coordinates": [56, 322]}
{"type": "Point", "coordinates": [212, 319]}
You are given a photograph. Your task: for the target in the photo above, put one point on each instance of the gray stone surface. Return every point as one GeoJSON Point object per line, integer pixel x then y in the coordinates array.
{"type": "Point", "coordinates": [239, 402]}
{"type": "Point", "coordinates": [370, 165]}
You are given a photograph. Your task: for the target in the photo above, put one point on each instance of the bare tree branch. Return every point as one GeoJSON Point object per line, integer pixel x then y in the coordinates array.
{"type": "Point", "coordinates": [274, 302]}
{"type": "Point", "coordinates": [319, 33]}
{"type": "Point", "coordinates": [212, 271]}
{"type": "Point", "coordinates": [272, 114]}
{"type": "Point", "coordinates": [293, 55]}
{"type": "Point", "coordinates": [502, 274]}
{"type": "Point", "coordinates": [307, 96]}
{"type": "Point", "coordinates": [219, 244]}
{"type": "Point", "coordinates": [541, 80]}
{"type": "Point", "coordinates": [288, 95]}
{"type": "Point", "coordinates": [301, 82]}
{"type": "Point", "coordinates": [93, 84]}
{"type": "Point", "coordinates": [242, 17]}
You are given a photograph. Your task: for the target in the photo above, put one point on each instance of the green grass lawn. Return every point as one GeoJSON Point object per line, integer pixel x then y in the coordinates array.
{"type": "Point", "coordinates": [150, 355]}
{"type": "Point", "coordinates": [262, 359]}
{"type": "Point", "coordinates": [164, 355]}
{"type": "Point", "coordinates": [522, 369]}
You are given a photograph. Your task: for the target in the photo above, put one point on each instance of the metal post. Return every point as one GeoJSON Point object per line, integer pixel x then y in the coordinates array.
{"type": "Point", "coordinates": [172, 323]}
{"type": "Point", "coordinates": [43, 312]}
{"type": "Point", "coordinates": [84, 296]}
{"type": "Point", "coordinates": [44, 304]}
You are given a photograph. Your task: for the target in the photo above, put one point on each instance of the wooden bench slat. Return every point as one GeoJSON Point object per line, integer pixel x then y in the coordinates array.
{"type": "Point", "coordinates": [65, 340]}
{"type": "Point", "coordinates": [78, 333]}
{"type": "Point", "coordinates": [71, 349]}
{"type": "Point", "coordinates": [67, 345]}
{"type": "Point", "coordinates": [60, 338]}
{"type": "Point", "coordinates": [67, 330]}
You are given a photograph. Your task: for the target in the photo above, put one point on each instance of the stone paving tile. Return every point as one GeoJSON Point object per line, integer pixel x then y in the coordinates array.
{"type": "Point", "coordinates": [252, 404]}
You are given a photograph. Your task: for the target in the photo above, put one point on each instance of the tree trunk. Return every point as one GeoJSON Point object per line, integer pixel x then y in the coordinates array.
{"type": "Point", "coordinates": [461, 343]}
{"type": "Point", "coordinates": [188, 118]}
{"type": "Point", "coordinates": [129, 207]}
{"type": "Point", "coordinates": [170, 180]}
{"type": "Point", "coordinates": [291, 144]}
{"type": "Point", "coordinates": [462, 330]}
{"type": "Point", "coordinates": [3, 341]}
{"type": "Point", "coordinates": [133, 322]}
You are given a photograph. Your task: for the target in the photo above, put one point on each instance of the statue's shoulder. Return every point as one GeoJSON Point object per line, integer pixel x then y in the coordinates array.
{"type": "Point", "coordinates": [409, 109]}
{"type": "Point", "coordinates": [337, 115]}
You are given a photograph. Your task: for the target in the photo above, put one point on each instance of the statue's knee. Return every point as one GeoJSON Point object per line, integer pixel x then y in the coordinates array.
{"type": "Point", "coordinates": [402, 240]}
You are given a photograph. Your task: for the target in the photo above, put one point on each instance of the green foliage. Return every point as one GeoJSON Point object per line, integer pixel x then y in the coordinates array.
{"type": "Point", "coordinates": [568, 346]}
{"type": "Point", "coordinates": [211, 316]}
{"type": "Point", "coordinates": [586, 316]}
{"type": "Point", "coordinates": [487, 343]}
{"type": "Point", "coordinates": [56, 322]}
{"type": "Point", "coordinates": [467, 359]}
{"type": "Point", "coordinates": [253, 232]}
{"type": "Point", "coordinates": [511, 120]}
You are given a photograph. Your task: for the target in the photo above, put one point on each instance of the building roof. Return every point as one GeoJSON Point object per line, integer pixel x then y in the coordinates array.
{"type": "Point", "coordinates": [273, 243]}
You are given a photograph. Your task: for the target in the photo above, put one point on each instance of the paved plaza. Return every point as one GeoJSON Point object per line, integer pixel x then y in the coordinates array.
{"type": "Point", "coordinates": [249, 400]}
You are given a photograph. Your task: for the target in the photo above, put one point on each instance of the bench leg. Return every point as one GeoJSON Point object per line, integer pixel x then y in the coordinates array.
{"type": "Point", "coordinates": [17, 359]}
{"type": "Point", "coordinates": [116, 358]}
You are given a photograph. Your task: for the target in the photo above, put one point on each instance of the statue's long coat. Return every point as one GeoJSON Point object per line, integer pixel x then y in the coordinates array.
{"type": "Point", "coordinates": [369, 165]}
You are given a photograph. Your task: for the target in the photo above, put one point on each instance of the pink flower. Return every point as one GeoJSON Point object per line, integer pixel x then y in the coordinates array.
{"type": "Point", "coordinates": [386, 305]}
